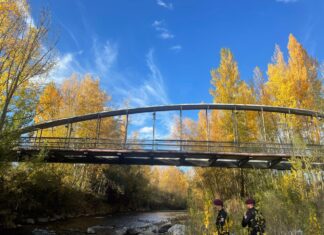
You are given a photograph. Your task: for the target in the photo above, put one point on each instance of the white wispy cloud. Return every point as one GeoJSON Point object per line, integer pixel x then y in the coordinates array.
{"type": "Point", "coordinates": [146, 130]}
{"type": "Point", "coordinates": [127, 87]}
{"type": "Point", "coordinates": [146, 91]}
{"type": "Point", "coordinates": [70, 33]}
{"type": "Point", "coordinates": [166, 35]}
{"type": "Point", "coordinates": [157, 23]}
{"type": "Point", "coordinates": [105, 56]}
{"type": "Point", "coordinates": [287, 1]}
{"type": "Point", "coordinates": [26, 13]}
{"type": "Point", "coordinates": [176, 48]}
{"type": "Point", "coordinates": [162, 30]}
{"type": "Point", "coordinates": [164, 4]}
{"type": "Point", "coordinates": [155, 84]}
{"type": "Point", "coordinates": [66, 65]}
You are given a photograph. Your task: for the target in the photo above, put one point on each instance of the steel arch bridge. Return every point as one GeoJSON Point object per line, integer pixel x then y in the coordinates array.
{"type": "Point", "coordinates": [179, 152]}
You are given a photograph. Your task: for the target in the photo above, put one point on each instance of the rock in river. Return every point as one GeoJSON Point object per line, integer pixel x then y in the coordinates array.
{"type": "Point", "coordinates": [99, 229]}
{"type": "Point", "coordinates": [177, 229]}
{"type": "Point", "coordinates": [165, 227]}
{"type": "Point", "coordinates": [30, 221]}
{"type": "Point", "coordinates": [38, 231]}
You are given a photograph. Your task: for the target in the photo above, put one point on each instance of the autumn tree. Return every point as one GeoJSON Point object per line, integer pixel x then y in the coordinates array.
{"type": "Point", "coordinates": [258, 84]}
{"type": "Point", "coordinates": [26, 55]}
{"type": "Point", "coordinates": [76, 96]}
{"type": "Point", "coordinates": [230, 89]}
{"type": "Point", "coordinates": [294, 84]}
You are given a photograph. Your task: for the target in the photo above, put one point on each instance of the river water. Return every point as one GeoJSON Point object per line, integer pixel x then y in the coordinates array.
{"type": "Point", "coordinates": [117, 221]}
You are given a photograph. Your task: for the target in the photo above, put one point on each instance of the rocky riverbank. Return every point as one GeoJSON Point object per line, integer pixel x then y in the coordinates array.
{"type": "Point", "coordinates": [145, 223]}
{"type": "Point", "coordinates": [168, 226]}
{"type": "Point", "coordinates": [151, 229]}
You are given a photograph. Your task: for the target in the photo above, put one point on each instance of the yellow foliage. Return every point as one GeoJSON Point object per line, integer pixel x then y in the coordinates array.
{"type": "Point", "coordinates": [171, 180]}
{"type": "Point", "coordinates": [314, 224]}
{"type": "Point", "coordinates": [294, 84]}
{"type": "Point", "coordinates": [229, 88]}
{"type": "Point", "coordinates": [24, 58]}
{"type": "Point", "coordinates": [72, 98]}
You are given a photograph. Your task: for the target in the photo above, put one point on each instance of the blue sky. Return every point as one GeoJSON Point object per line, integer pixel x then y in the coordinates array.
{"type": "Point", "coordinates": [152, 52]}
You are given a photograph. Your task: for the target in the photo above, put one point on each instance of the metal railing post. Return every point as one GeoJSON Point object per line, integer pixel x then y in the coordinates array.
{"type": "Point", "coordinates": [153, 141]}
{"type": "Point", "coordinates": [263, 129]}
{"type": "Point", "coordinates": [208, 130]}
{"type": "Point", "coordinates": [126, 129]}
{"type": "Point", "coordinates": [180, 128]}
{"type": "Point", "coordinates": [235, 130]}
{"type": "Point", "coordinates": [264, 133]}
{"type": "Point", "coordinates": [290, 139]}
{"type": "Point", "coordinates": [308, 131]}
{"type": "Point", "coordinates": [70, 129]}
{"type": "Point", "coordinates": [98, 127]}
{"type": "Point", "coordinates": [40, 137]}
{"type": "Point", "coordinates": [35, 138]}
{"type": "Point", "coordinates": [319, 128]}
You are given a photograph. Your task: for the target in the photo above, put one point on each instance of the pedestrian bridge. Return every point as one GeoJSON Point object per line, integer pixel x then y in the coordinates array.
{"type": "Point", "coordinates": [262, 154]}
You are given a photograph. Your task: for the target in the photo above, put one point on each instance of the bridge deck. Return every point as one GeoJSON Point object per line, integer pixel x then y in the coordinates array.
{"type": "Point", "coordinates": [167, 152]}
{"type": "Point", "coordinates": [142, 157]}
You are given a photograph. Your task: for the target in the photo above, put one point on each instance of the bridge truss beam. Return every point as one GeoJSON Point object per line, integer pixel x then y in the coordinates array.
{"type": "Point", "coordinates": [174, 152]}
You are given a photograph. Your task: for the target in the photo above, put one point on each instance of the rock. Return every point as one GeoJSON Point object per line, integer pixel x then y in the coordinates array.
{"type": "Point", "coordinates": [152, 229]}
{"type": "Point", "coordinates": [121, 231]}
{"type": "Point", "coordinates": [147, 233]}
{"type": "Point", "coordinates": [133, 231]}
{"type": "Point", "coordinates": [30, 221]}
{"type": "Point", "coordinates": [149, 229]}
{"type": "Point", "coordinates": [155, 229]}
{"type": "Point", "coordinates": [42, 220]}
{"type": "Point", "coordinates": [99, 229]}
{"type": "Point", "coordinates": [91, 230]}
{"type": "Point", "coordinates": [164, 228]}
{"type": "Point", "coordinates": [177, 229]}
{"type": "Point", "coordinates": [59, 217]}
{"type": "Point", "coordinates": [38, 231]}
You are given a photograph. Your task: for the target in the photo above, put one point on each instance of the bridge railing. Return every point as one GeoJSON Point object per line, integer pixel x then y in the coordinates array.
{"type": "Point", "coordinates": [191, 146]}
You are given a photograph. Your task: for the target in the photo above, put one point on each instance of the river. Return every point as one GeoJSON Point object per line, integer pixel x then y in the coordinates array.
{"type": "Point", "coordinates": [110, 224]}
